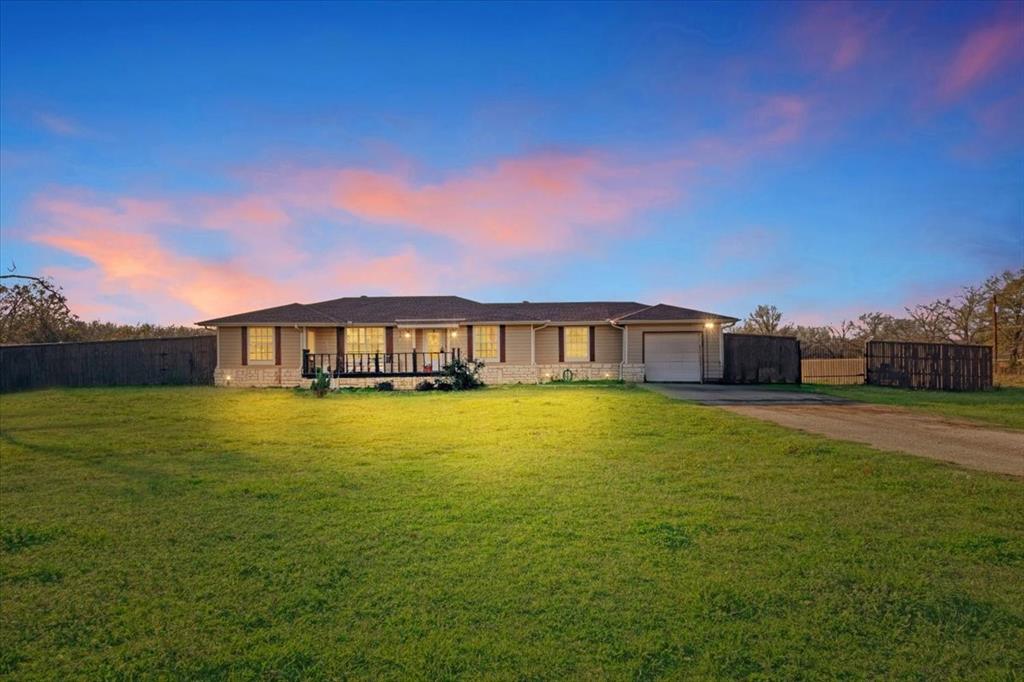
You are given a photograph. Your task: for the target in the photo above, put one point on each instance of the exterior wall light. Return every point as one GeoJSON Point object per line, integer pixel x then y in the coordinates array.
{"type": "Point", "coordinates": [407, 335]}
{"type": "Point", "coordinates": [709, 325]}
{"type": "Point", "coordinates": [455, 333]}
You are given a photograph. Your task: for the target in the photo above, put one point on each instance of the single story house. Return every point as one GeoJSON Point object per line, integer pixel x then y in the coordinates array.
{"type": "Point", "coordinates": [359, 340]}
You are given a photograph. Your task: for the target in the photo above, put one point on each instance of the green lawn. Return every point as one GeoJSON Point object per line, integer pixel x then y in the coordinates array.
{"type": "Point", "coordinates": [533, 532]}
{"type": "Point", "coordinates": [1001, 406]}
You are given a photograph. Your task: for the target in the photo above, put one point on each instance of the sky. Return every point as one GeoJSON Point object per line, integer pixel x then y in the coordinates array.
{"type": "Point", "coordinates": [175, 162]}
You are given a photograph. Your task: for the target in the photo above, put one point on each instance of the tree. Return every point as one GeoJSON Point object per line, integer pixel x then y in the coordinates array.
{"type": "Point", "coordinates": [968, 317]}
{"type": "Point", "coordinates": [34, 310]}
{"type": "Point", "coordinates": [931, 321]}
{"type": "Point", "coordinates": [765, 319]}
{"type": "Point", "coordinates": [1006, 293]}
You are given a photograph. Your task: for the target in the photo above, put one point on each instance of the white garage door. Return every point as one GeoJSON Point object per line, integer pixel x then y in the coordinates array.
{"type": "Point", "coordinates": [672, 357]}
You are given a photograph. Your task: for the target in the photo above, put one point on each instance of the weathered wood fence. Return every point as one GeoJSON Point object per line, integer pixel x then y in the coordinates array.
{"type": "Point", "coordinates": [836, 371]}
{"type": "Point", "coordinates": [933, 366]}
{"type": "Point", "coordinates": [179, 360]}
{"type": "Point", "coordinates": [761, 359]}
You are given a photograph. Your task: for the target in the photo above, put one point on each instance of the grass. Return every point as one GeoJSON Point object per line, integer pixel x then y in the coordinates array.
{"type": "Point", "coordinates": [1000, 406]}
{"type": "Point", "coordinates": [531, 532]}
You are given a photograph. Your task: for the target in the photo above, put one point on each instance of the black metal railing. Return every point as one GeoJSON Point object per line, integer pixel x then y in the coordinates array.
{"type": "Point", "coordinates": [415, 363]}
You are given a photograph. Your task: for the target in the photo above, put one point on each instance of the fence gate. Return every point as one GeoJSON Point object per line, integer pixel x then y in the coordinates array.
{"type": "Point", "coordinates": [836, 361]}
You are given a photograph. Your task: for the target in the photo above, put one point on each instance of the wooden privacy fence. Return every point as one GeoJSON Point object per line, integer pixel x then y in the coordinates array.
{"type": "Point", "coordinates": [836, 371]}
{"type": "Point", "coordinates": [934, 366]}
{"type": "Point", "coordinates": [179, 360]}
{"type": "Point", "coordinates": [761, 359]}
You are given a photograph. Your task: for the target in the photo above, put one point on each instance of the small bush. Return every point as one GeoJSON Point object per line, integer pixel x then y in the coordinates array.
{"type": "Point", "coordinates": [427, 385]}
{"type": "Point", "coordinates": [384, 386]}
{"type": "Point", "coordinates": [322, 384]}
{"type": "Point", "coordinates": [460, 375]}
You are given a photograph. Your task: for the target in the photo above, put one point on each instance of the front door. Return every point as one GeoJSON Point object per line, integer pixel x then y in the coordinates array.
{"type": "Point", "coordinates": [433, 345]}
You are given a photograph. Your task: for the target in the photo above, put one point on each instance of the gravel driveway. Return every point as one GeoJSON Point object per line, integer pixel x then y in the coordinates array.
{"type": "Point", "coordinates": [887, 428]}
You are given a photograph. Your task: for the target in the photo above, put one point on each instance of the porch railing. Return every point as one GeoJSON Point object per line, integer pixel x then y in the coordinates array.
{"type": "Point", "coordinates": [415, 363]}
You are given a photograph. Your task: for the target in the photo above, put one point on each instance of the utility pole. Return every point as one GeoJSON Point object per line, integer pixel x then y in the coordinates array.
{"type": "Point", "coordinates": [995, 335]}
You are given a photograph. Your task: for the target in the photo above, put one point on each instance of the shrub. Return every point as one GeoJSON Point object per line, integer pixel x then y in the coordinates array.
{"type": "Point", "coordinates": [322, 384]}
{"type": "Point", "coordinates": [426, 385]}
{"type": "Point", "coordinates": [385, 386]}
{"type": "Point", "coordinates": [460, 375]}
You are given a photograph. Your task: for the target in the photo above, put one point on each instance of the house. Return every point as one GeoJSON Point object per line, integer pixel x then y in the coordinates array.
{"type": "Point", "coordinates": [358, 340]}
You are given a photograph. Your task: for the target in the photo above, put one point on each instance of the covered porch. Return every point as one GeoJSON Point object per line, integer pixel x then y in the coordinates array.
{"type": "Point", "coordinates": [409, 364]}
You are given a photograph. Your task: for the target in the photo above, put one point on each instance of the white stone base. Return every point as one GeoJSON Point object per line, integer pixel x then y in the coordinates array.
{"type": "Point", "coordinates": [259, 377]}
{"type": "Point", "coordinates": [494, 374]}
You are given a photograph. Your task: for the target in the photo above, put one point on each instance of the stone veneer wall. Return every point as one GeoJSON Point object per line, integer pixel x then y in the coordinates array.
{"type": "Point", "coordinates": [495, 374]}
{"type": "Point", "coordinates": [259, 376]}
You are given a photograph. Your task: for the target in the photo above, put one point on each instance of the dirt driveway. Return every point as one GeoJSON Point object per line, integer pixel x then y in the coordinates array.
{"type": "Point", "coordinates": [887, 428]}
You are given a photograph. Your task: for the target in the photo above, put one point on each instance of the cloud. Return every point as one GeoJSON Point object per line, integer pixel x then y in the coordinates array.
{"type": "Point", "coordinates": [835, 36]}
{"type": "Point", "coordinates": [522, 204]}
{"type": "Point", "coordinates": [60, 125]}
{"type": "Point", "coordinates": [984, 52]}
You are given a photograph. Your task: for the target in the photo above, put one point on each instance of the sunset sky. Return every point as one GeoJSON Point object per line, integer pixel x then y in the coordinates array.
{"type": "Point", "coordinates": [169, 163]}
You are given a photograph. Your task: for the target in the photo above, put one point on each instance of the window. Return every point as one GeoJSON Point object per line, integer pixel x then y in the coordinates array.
{"type": "Point", "coordinates": [364, 340]}
{"type": "Point", "coordinates": [577, 344]}
{"type": "Point", "coordinates": [485, 343]}
{"type": "Point", "coordinates": [261, 344]}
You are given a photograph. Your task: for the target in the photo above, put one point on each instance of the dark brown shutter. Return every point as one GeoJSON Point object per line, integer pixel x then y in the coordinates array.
{"type": "Point", "coordinates": [593, 348]}
{"type": "Point", "coordinates": [469, 342]}
{"type": "Point", "coordinates": [277, 345]}
{"type": "Point", "coordinates": [561, 344]}
{"type": "Point", "coordinates": [341, 341]}
{"type": "Point", "coordinates": [389, 340]}
{"type": "Point", "coordinates": [501, 343]}
{"type": "Point", "coordinates": [245, 345]}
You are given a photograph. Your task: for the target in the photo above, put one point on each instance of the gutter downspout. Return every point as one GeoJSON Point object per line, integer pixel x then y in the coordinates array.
{"type": "Point", "coordinates": [625, 346]}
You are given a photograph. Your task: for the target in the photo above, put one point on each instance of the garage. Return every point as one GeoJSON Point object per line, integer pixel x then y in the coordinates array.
{"type": "Point", "coordinates": [672, 356]}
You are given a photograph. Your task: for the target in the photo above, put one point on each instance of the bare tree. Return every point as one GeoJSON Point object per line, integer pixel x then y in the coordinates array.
{"type": "Point", "coordinates": [967, 317]}
{"type": "Point", "coordinates": [931, 320]}
{"type": "Point", "coordinates": [765, 319]}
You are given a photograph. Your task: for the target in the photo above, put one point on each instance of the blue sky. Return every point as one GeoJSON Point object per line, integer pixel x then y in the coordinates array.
{"type": "Point", "coordinates": [171, 162]}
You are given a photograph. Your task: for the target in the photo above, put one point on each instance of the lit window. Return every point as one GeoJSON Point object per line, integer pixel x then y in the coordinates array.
{"type": "Point", "coordinates": [485, 343]}
{"type": "Point", "coordinates": [364, 340]}
{"type": "Point", "coordinates": [577, 344]}
{"type": "Point", "coordinates": [261, 344]}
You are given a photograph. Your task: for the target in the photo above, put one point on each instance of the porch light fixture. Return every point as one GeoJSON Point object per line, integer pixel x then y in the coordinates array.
{"type": "Point", "coordinates": [709, 325]}
{"type": "Point", "coordinates": [407, 335]}
{"type": "Point", "coordinates": [455, 333]}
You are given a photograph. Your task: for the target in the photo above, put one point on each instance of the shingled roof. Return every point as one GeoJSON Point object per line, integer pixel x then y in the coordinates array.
{"type": "Point", "coordinates": [392, 309]}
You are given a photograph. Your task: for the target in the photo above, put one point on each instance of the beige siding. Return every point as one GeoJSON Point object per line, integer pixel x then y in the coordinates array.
{"type": "Point", "coordinates": [291, 347]}
{"type": "Point", "coordinates": [607, 344]}
{"type": "Point", "coordinates": [712, 344]}
{"type": "Point", "coordinates": [517, 344]}
{"type": "Point", "coordinates": [325, 339]}
{"type": "Point", "coordinates": [547, 345]}
{"type": "Point", "coordinates": [713, 353]}
{"type": "Point", "coordinates": [229, 347]}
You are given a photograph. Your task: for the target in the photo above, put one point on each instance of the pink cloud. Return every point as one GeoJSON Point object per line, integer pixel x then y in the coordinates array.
{"type": "Point", "coordinates": [131, 268]}
{"type": "Point", "coordinates": [772, 123]}
{"type": "Point", "coordinates": [523, 204]}
{"type": "Point", "coordinates": [60, 125]}
{"type": "Point", "coordinates": [984, 52]}
{"type": "Point", "coordinates": [246, 212]}
{"type": "Point", "coordinates": [835, 36]}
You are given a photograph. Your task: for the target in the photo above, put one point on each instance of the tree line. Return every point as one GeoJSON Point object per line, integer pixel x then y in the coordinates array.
{"type": "Point", "coordinates": [972, 316]}
{"type": "Point", "coordinates": [35, 310]}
